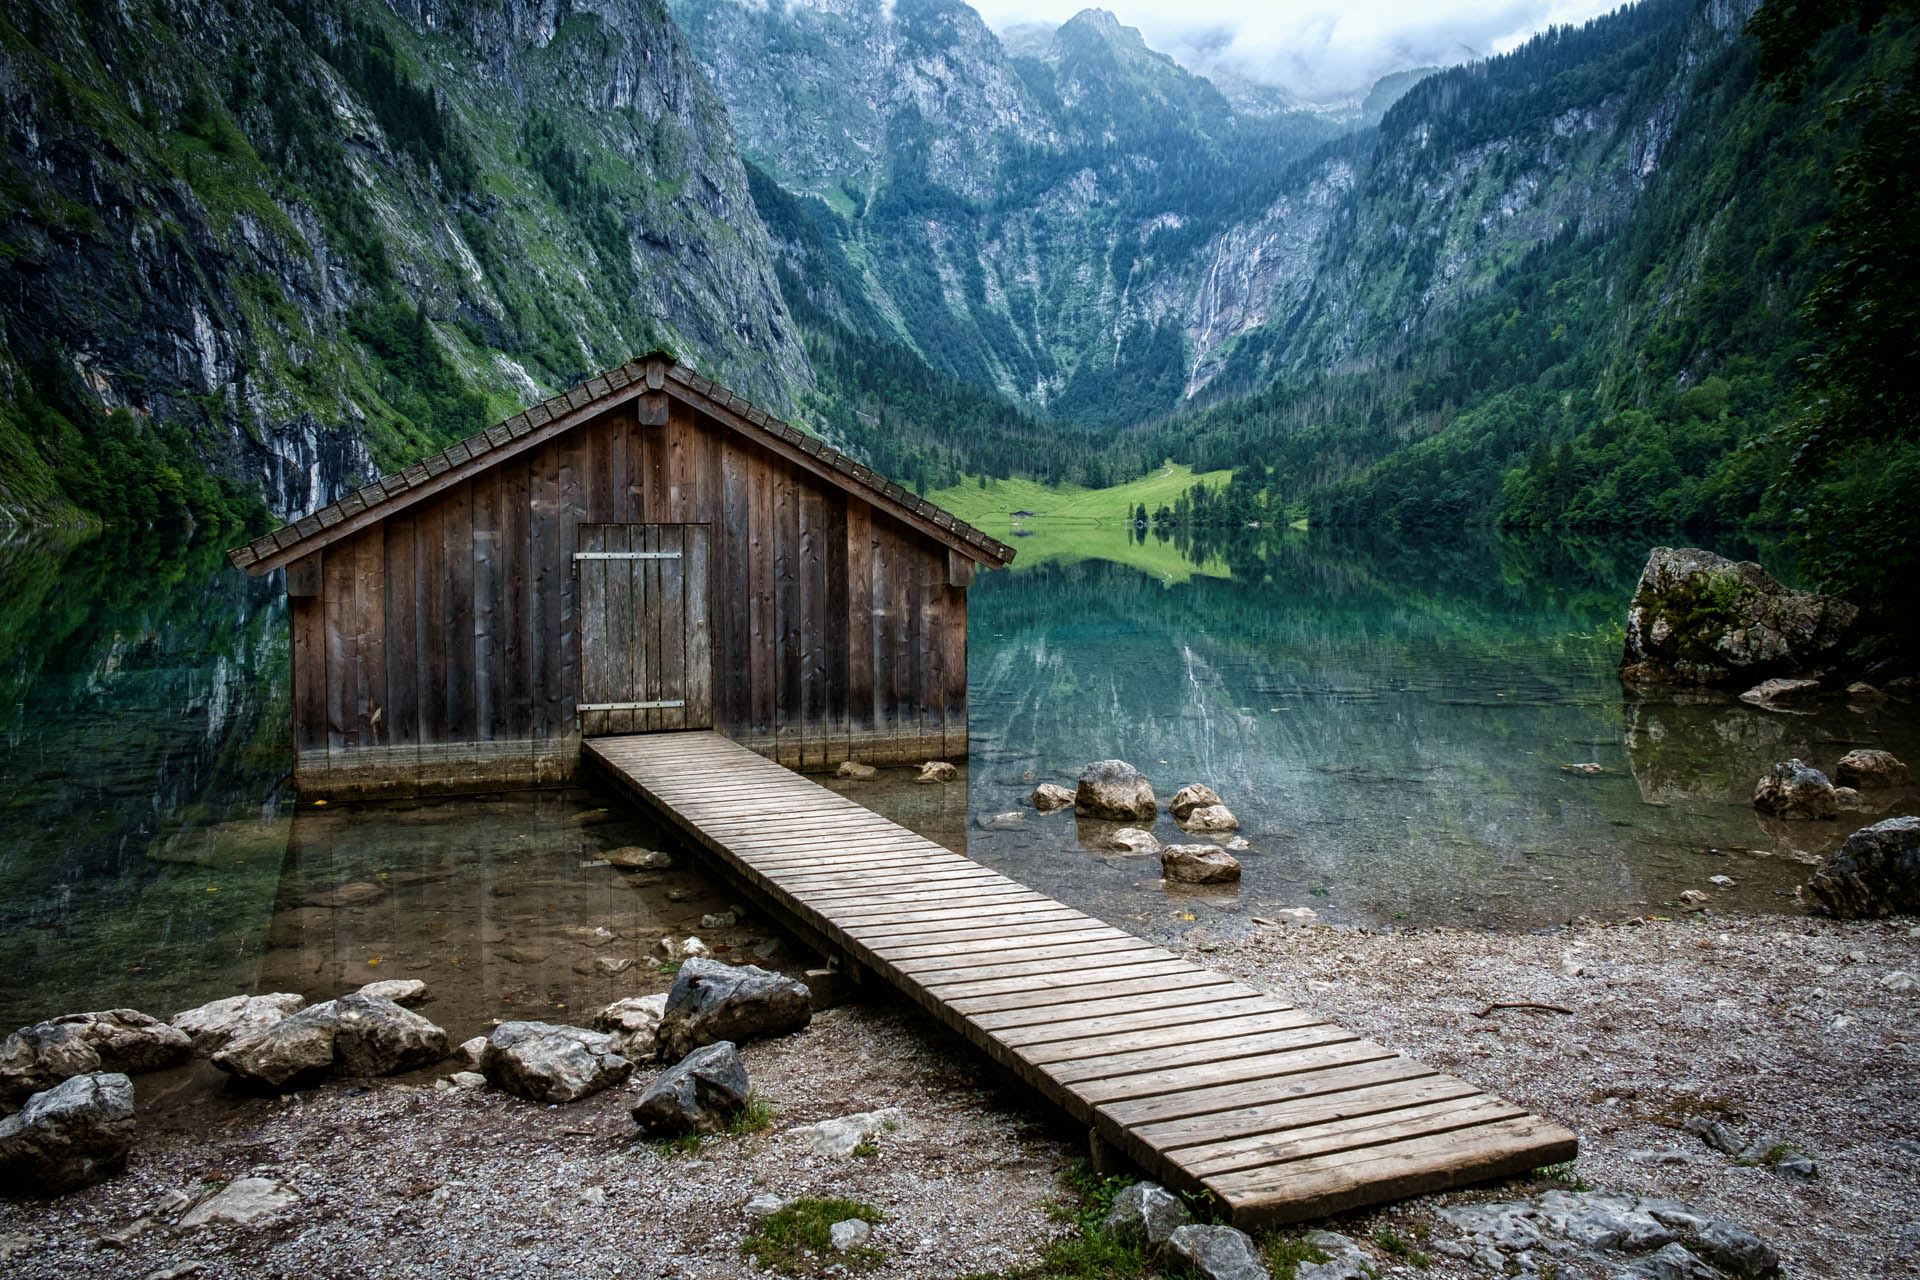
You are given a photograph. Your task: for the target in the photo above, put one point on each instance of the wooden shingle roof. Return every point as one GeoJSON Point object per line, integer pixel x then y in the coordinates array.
{"type": "Point", "coordinates": [389, 494]}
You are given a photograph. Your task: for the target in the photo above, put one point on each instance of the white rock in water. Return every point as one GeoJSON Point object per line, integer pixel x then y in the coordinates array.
{"type": "Point", "coordinates": [849, 1234]}
{"type": "Point", "coordinates": [1693, 897]}
{"type": "Point", "coordinates": [1724, 882]}
{"type": "Point", "coordinates": [854, 769]}
{"type": "Point", "coordinates": [1133, 840]}
{"type": "Point", "coordinates": [243, 1202]}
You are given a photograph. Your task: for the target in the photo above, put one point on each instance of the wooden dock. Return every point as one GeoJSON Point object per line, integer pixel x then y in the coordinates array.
{"type": "Point", "coordinates": [1202, 1081]}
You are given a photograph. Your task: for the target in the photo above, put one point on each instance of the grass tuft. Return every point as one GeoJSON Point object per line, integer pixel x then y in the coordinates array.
{"type": "Point", "coordinates": [1286, 1253]}
{"type": "Point", "coordinates": [756, 1117]}
{"type": "Point", "coordinates": [798, 1240]}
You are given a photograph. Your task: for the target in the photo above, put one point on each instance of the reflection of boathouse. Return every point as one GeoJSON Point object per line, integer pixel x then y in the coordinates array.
{"type": "Point", "coordinates": [647, 552]}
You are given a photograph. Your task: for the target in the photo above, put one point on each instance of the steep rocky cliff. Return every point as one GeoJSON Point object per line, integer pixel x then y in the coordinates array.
{"type": "Point", "coordinates": [297, 241]}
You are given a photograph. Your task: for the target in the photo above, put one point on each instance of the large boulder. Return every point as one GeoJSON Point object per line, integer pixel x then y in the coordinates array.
{"type": "Point", "coordinates": [1870, 769]}
{"type": "Point", "coordinates": [701, 1093]}
{"type": "Point", "coordinates": [294, 1052]}
{"type": "Point", "coordinates": [373, 1036]}
{"type": "Point", "coordinates": [1875, 873]}
{"type": "Point", "coordinates": [214, 1025]}
{"type": "Point", "coordinates": [1198, 864]}
{"type": "Point", "coordinates": [1196, 795]}
{"type": "Point", "coordinates": [547, 1063]}
{"type": "Point", "coordinates": [1115, 790]}
{"type": "Point", "coordinates": [67, 1137]}
{"type": "Point", "coordinates": [711, 1001]}
{"type": "Point", "coordinates": [1698, 618]}
{"type": "Point", "coordinates": [1794, 789]}
{"type": "Point", "coordinates": [38, 1057]}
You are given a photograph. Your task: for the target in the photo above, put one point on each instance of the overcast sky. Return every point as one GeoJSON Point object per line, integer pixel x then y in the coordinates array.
{"type": "Point", "coordinates": [1317, 48]}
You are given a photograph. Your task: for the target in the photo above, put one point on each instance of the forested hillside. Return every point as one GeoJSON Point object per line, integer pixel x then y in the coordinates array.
{"type": "Point", "coordinates": [253, 253]}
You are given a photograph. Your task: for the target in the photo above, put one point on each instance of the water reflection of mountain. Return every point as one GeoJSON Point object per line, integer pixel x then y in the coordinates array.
{"type": "Point", "coordinates": [143, 714]}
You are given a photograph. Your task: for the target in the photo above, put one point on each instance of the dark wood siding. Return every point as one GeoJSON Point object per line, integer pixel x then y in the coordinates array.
{"type": "Point", "coordinates": [440, 649]}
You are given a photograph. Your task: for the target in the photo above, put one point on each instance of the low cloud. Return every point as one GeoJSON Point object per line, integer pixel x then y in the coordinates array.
{"type": "Point", "coordinates": [1314, 49]}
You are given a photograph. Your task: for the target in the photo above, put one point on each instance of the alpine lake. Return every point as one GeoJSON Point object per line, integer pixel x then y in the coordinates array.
{"type": "Point", "coordinates": [1412, 732]}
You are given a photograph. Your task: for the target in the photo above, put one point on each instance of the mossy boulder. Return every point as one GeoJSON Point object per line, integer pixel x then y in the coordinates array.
{"type": "Point", "coordinates": [1699, 618]}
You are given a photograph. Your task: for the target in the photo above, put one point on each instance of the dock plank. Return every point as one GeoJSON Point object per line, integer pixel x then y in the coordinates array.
{"type": "Point", "coordinates": [1204, 1081]}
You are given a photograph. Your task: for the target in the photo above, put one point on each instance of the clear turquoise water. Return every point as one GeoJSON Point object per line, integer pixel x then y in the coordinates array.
{"type": "Point", "coordinates": [1389, 722]}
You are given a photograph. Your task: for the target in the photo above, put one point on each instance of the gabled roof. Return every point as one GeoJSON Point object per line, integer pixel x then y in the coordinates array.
{"type": "Point", "coordinates": [657, 371]}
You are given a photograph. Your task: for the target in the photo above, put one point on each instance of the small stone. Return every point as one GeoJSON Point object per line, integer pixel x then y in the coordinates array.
{"type": "Point", "coordinates": [1659, 1156]}
{"type": "Point", "coordinates": [634, 858]}
{"type": "Point", "coordinates": [1848, 800]}
{"type": "Point", "coordinates": [467, 1055]}
{"type": "Point", "coordinates": [1006, 820]}
{"type": "Point", "coordinates": [1188, 798]}
{"type": "Point", "coordinates": [1861, 691]}
{"type": "Point", "coordinates": [718, 920]}
{"type": "Point", "coordinates": [1213, 817]}
{"type": "Point", "coordinates": [242, 1202]}
{"type": "Point", "coordinates": [635, 1023]}
{"type": "Point", "coordinates": [591, 1195]}
{"type": "Point", "coordinates": [854, 769]}
{"type": "Point", "coordinates": [1236, 844]}
{"type": "Point", "coordinates": [468, 1080]}
{"type": "Point", "coordinates": [613, 964]}
{"type": "Point", "coordinates": [1797, 1165]}
{"type": "Point", "coordinates": [1589, 768]}
{"type": "Point", "coordinates": [937, 771]}
{"type": "Point", "coordinates": [766, 1204]}
{"type": "Point", "coordinates": [1133, 840]}
{"type": "Point", "coordinates": [1722, 882]}
{"type": "Point", "coordinates": [1146, 1210]}
{"type": "Point", "coordinates": [849, 1234]}
{"type": "Point", "coordinates": [406, 992]}
{"type": "Point", "coordinates": [1777, 692]}
{"type": "Point", "coordinates": [1198, 864]}
{"type": "Point", "coordinates": [1715, 1134]}
{"type": "Point", "coordinates": [683, 949]}
{"type": "Point", "coordinates": [1217, 1253]}
{"type": "Point", "coordinates": [1693, 897]}
{"type": "Point", "coordinates": [1297, 915]}
{"type": "Point", "coordinates": [1049, 796]}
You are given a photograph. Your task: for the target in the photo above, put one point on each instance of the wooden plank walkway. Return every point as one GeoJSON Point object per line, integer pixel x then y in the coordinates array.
{"type": "Point", "coordinates": [1202, 1081]}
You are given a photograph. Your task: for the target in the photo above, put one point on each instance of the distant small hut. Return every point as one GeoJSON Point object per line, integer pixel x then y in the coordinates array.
{"type": "Point", "coordinates": [646, 553]}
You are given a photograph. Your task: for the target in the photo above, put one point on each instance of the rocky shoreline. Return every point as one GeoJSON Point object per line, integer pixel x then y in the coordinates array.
{"type": "Point", "coordinates": [1795, 1032]}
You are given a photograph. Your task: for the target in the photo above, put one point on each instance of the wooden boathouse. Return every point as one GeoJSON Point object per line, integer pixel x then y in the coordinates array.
{"type": "Point", "coordinates": [646, 552]}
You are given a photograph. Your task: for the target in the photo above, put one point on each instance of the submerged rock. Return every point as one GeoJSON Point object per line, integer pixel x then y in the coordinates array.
{"type": "Point", "coordinates": [1795, 789]}
{"type": "Point", "coordinates": [1869, 769]}
{"type": "Point", "coordinates": [1781, 692]}
{"type": "Point", "coordinates": [126, 1041]}
{"type": "Point", "coordinates": [1198, 864]}
{"type": "Point", "coordinates": [1115, 790]}
{"type": "Point", "coordinates": [1699, 618]}
{"type": "Point", "coordinates": [854, 769]}
{"type": "Point", "coordinates": [70, 1136]}
{"type": "Point", "coordinates": [546, 1063]}
{"type": "Point", "coordinates": [1133, 840]}
{"type": "Point", "coordinates": [701, 1093]}
{"type": "Point", "coordinates": [1211, 817]}
{"type": "Point", "coordinates": [937, 771]}
{"type": "Point", "coordinates": [217, 1023]}
{"type": "Point", "coordinates": [1049, 796]}
{"type": "Point", "coordinates": [1875, 873]}
{"type": "Point", "coordinates": [711, 1001]}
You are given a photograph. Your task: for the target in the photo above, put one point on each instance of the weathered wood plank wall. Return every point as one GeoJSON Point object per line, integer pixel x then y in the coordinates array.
{"type": "Point", "coordinates": [438, 650]}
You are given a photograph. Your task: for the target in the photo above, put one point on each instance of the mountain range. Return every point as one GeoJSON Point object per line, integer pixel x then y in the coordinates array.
{"type": "Point", "coordinates": [253, 253]}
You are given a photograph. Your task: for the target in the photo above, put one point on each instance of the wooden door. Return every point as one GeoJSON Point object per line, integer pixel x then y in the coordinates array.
{"type": "Point", "coordinates": [646, 658]}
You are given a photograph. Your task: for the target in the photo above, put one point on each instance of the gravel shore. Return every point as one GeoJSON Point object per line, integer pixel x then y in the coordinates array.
{"type": "Point", "coordinates": [1798, 1030]}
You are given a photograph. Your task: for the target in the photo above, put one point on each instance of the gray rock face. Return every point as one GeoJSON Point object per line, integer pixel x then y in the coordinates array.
{"type": "Point", "coordinates": [373, 1036]}
{"type": "Point", "coordinates": [1697, 618]}
{"type": "Point", "coordinates": [1198, 864]}
{"type": "Point", "coordinates": [217, 1023]}
{"type": "Point", "coordinates": [635, 1023]}
{"type": "Point", "coordinates": [1870, 770]}
{"type": "Point", "coordinates": [1188, 798]}
{"type": "Point", "coordinates": [296, 1051]}
{"type": "Point", "coordinates": [699, 1094]}
{"type": "Point", "coordinates": [1875, 873]}
{"type": "Point", "coordinates": [547, 1063]}
{"type": "Point", "coordinates": [1116, 790]}
{"type": "Point", "coordinates": [38, 1057]}
{"type": "Point", "coordinates": [711, 1002]}
{"type": "Point", "coordinates": [1146, 1210]}
{"type": "Point", "coordinates": [1217, 1253]}
{"type": "Point", "coordinates": [70, 1136]}
{"type": "Point", "coordinates": [1795, 789]}
{"type": "Point", "coordinates": [1049, 796]}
